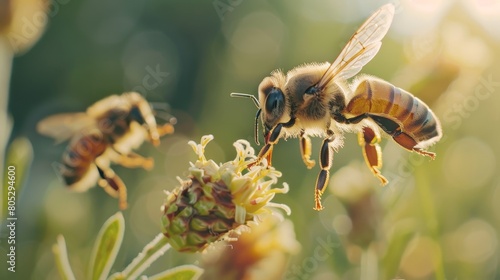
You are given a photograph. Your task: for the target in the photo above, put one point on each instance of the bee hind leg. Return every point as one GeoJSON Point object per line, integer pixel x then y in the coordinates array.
{"type": "Point", "coordinates": [368, 140]}
{"type": "Point", "coordinates": [409, 143]}
{"type": "Point", "coordinates": [326, 160]}
{"type": "Point", "coordinates": [398, 134]}
{"type": "Point", "coordinates": [113, 185]}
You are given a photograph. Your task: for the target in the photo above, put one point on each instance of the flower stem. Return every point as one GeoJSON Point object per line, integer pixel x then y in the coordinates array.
{"type": "Point", "coordinates": [149, 254]}
{"type": "Point", "coordinates": [369, 264]}
{"type": "Point", "coordinates": [432, 222]}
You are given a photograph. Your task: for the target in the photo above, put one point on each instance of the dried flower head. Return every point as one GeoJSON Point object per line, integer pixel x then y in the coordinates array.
{"type": "Point", "coordinates": [218, 198]}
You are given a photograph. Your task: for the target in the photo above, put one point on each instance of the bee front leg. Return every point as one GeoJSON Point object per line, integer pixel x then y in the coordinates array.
{"type": "Point", "coordinates": [149, 119]}
{"type": "Point", "coordinates": [368, 140]}
{"type": "Point", "coordinates": [113, 185]}
{"type": "Point", "coordinates": [160, 131]}
{"type": "Point", "coordinates": [272, 139]}
{"type": "Point", "coordinates": [165, 129]}
{"type": "Point", "coordinates": [267, 150]}
{"type": "Point", "coordinates": [325, 159]}
{"type": "Point", "coordinates": [305, 150]}
{"type": "Point", "coordinates": [133, 160]}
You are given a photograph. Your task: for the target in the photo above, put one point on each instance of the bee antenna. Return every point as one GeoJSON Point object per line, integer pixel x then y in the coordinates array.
{"type": "Point", "coordinates": [257, 104]}
{"type": "Point", "coordinates": [161, 110]}
{"type": "Point", "coordinates": [160, 106]}
{"type": "Point", "coordinates": [165, 116]}
{"type": "Point", "coordinates": [246, 95]}
{"type": "Point", "coordinates": [256, 129]}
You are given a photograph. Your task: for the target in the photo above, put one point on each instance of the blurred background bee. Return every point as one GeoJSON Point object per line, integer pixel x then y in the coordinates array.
{"type": "Point", "coordinates": [107, 132]}
{"type": "Point", "coordinates": [315, 100]}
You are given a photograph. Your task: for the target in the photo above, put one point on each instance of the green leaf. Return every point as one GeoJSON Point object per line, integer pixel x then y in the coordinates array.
{"type": "Point", "coordinates": [61, 257]}
{"type": "Point", "coordinates": [183, 272]}
{"type": "Point", "coordinates": [106, 247]}
{"type": "Point", "coordinates": [18, 161]}
{"type": "Point", "coordinates": [151, 252]}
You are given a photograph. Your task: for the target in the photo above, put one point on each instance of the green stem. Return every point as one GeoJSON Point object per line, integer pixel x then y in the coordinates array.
{"type": "Point", "coordinates": [149, 254]}
{"type": "Point", "coordinates": [369, 264]}
{"type": "Point", "coordinates": [6, 56]}
{"type": "Point", "coordinates": [432, 224]}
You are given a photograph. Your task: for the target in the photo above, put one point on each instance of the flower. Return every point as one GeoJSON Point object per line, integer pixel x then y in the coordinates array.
{"type": "Point", "coordinates": [218, 199]}
{"type": "Point", "coordinates": [261, 253]}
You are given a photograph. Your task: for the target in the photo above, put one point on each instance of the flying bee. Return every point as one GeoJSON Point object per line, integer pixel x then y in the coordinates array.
{"type": "Point", "coordinates": [107, 132]}
{"type": "Point", "coordinates": [316, 100]}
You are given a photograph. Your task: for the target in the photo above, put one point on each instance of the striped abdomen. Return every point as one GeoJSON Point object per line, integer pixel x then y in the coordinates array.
{"type": "Point", "coordinates": [394, 110]}
{"type": "Point", "coordinates": [79, 157]}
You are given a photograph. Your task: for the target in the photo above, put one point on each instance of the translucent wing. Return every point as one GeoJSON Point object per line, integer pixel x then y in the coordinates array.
{"type": "Point", "coordinates": [362, 46]}
{"type": "Point", "coordinates": [63, 126]}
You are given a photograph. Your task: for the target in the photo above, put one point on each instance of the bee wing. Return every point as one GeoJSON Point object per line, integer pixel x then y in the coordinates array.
{"type": "Point", "coordinates": [63, 126]}
{"type": "Point", "coordinates": [362, 46]}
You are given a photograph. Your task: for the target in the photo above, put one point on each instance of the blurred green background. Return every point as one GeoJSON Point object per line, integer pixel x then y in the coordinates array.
{"type": "Point", "coordinates": [435, 220]}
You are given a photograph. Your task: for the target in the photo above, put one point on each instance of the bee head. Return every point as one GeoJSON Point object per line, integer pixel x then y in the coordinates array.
{"type": "Point", "coordinates": [272, 101]}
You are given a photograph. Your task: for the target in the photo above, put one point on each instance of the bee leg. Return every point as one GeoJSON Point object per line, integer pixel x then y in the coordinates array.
{"type": "Point", "coordinates": [397, 133]}
{"type": "Point", "coordinates": [354, 120]}
{"type": "Point", "coordinates": [162, 130]}
{"type": "Point", "coordinates": [148, 118]}
{"type": "Point", "coordinates": [133, 160]}
{"type": "Point", "coordinates": [305, 150]}
{"type": "Point", "coordinates": [267, 150]}
{"type": "Point", "coordinates": [409, 143]}
{"type": "Point", "coordinates": [271, 140]}
{"type": "Point", "coordinates": [165, 129]}
{"type": "Point", "coordinates": [326, 159]}
{"type": "Point", "coordinates": [155, 132]}
{"type": "Point", "coordinates": [113, 185]}
{"type": "Point", "coordinates": [368, 140]}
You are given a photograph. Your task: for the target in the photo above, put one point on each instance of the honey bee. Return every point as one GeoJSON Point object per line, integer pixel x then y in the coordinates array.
{"type": "Point", "coordinates": [107, 132]}
{"type": "Point", "coordinates": [316, 100]}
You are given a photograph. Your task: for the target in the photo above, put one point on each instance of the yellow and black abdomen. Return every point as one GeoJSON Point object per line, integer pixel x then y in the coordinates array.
{"type": "Point", "coordinates": [395, 110]}
{"type": "Point", "coordinates": [79, 158]}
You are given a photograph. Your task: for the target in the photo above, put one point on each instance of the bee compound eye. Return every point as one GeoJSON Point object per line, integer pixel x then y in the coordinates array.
{"type": "Point", "coordinates": [275, 101]}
